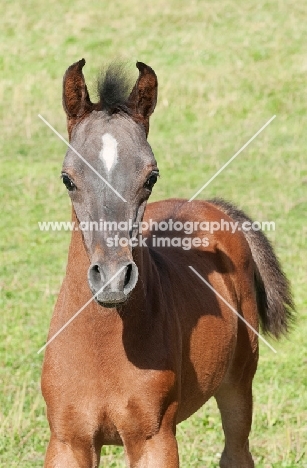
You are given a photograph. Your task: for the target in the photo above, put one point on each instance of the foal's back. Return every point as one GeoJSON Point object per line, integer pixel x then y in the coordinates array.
{"type": "Point", "coordinates": [214, 343]}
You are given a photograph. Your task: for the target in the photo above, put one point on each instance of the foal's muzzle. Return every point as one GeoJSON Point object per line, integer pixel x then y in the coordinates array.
{"type": "Point", "coordinates": [111, 287]}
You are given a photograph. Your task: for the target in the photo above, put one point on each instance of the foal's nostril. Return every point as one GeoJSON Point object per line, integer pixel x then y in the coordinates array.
{"type": "Point", "coordinates": [128, 275]}
{"type": "Point", "coordinates": [96, 272]}
{"type": "Point", "coordinates": [131, 277]}
{"type": "Point", "coordinates": [95, 276]}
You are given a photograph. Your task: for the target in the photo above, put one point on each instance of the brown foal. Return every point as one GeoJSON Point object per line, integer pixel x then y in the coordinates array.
{"type": "Point", "coordinates": [155, 343]}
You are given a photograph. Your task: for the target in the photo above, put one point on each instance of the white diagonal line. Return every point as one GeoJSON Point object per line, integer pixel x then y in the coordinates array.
{"type": "Point", "coordinates": [233, 310]}
{"type": "Point", "coordinates": [79, 311]}
{"type": "Point", "coordinates": [231, 159]}
{"type": "Point", "coordinates": [81, 157]}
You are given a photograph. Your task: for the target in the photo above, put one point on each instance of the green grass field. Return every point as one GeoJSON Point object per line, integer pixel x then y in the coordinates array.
{"type": "Point", "coordinates": [224, 69]}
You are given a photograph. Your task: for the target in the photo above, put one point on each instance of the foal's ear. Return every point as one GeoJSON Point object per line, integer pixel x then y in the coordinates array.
{"type": "Point", "coordinates": [76, 100]}
{"type": "Point", "coordinates": [143, 98]}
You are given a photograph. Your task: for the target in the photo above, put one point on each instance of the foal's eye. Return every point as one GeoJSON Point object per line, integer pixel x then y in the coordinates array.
{"type": "Point", "coordinates": [68, 182]}
{"type": "Point", "coordinates": [152, 179]}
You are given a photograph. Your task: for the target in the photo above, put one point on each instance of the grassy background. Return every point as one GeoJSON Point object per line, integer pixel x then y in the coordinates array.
{"type": "Point", "coordinates": [224, 69]}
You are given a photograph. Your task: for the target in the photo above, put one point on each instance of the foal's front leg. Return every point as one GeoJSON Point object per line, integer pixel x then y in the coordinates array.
{"type": "Point", "coordinates": [62, 455]}
{"type": "Point", "coordinates": [152, 446]}
{"type": "Point", "coordinates": [160, 451]}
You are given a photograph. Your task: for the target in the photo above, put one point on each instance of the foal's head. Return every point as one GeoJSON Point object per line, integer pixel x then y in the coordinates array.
{"type": "Point", "coordinates": [111, 173]}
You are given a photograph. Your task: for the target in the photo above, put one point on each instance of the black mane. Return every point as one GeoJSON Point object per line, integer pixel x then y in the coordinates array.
{"type": "Point", "coordinates": [113, 87]}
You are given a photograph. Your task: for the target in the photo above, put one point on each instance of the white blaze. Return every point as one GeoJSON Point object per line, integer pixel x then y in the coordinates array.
{"type": "Point", "coordinates": [108, 152]}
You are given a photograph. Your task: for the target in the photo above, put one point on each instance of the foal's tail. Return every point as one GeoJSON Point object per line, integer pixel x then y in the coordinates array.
{"type": "Point", "coordinates": [275, 304]}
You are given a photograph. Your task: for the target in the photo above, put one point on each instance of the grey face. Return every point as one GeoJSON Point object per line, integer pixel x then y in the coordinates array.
{"type": "Point", "coordinates": [116, 175]}
{"type": "Point", "coordinates": [117, 148]}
